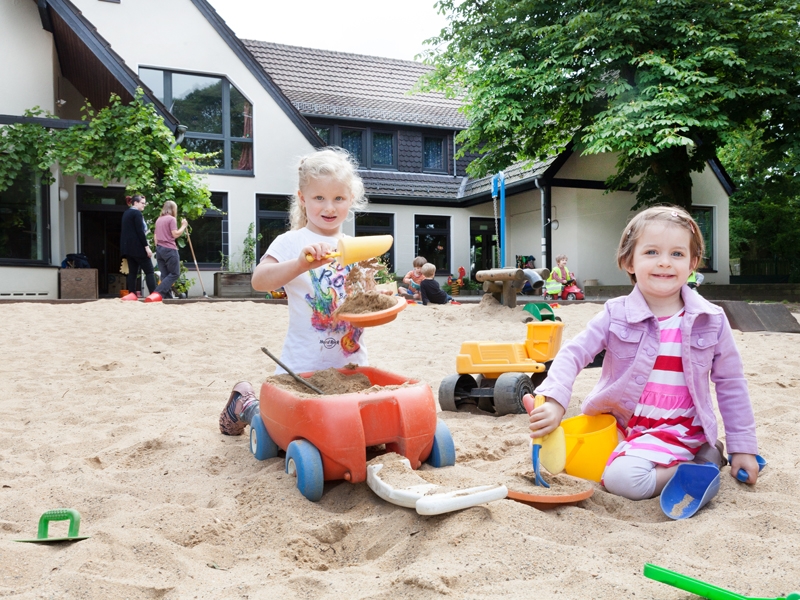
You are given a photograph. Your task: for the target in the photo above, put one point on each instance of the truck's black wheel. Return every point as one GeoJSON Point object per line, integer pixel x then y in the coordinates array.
{"type": "Point", "coordinates": [508, 393]}
{"type": "Point", "coordinates": [455, 389]}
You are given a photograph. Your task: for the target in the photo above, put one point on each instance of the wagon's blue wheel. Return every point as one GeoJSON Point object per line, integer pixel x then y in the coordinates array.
{"type": "Point", "coordinates": [304, 461]}
{"type": "Point", "coordinates": [443, 453]}
{"type": "Point", "coordinates": [261, 445]}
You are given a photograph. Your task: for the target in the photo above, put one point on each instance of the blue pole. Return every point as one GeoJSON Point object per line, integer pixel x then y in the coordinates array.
{"type": "Point", "coordinates": [502, 177]}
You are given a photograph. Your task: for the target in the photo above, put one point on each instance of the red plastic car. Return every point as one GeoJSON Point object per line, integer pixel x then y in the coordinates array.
{"type": "Point", "coordinates": [326, 437]}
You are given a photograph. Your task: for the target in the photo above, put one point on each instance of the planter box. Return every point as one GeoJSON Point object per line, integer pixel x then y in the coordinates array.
{"type": "Point", "coordinates": [234, 285]}
{"type": "Point", "coordinates": [77, 284]}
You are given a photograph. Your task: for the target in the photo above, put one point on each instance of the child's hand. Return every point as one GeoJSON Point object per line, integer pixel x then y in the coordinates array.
{"type": "Point", "coordinates": [748, 463]}
{"type": "Point", "coordinates": [316, 251]}
{"type": "Point", "coordinates": [546, 418]}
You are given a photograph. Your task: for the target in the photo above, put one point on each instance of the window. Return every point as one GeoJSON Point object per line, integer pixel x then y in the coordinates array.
{"type": "Point", "coordinates": [377, 224]}
{"type": "Point", "coordinates": [25, 221]}
{"type": "Point", "coordinates": [432, 240]}
{"type": "Point", "coordinates": [433, 154]}
{"type": "Point", "coordinates": [273, 220]}
{"type": "Point", "coordinates": [704, 215]}
{"type": "Point", "coordinates": [371, 148]}
{"type": "Point", "coordinates": [209, 235]}
{"type": "Point", "coordinates": [324, 133]}
{"type": "Point", "coordinates": [219, 117]}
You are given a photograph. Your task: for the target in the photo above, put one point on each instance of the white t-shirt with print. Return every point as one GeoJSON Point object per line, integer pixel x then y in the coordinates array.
{"type": "Point", "coordinates": [313, 342]}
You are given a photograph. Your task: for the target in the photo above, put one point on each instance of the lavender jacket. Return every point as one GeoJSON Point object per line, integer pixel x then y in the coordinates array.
{"type": "Point", "coordinates": [628, 331]}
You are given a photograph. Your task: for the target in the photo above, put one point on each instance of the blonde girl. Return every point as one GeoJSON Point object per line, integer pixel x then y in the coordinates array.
{"type": "Point", "coordinates": [169, 262]}
{"type": "Point", "coordinates": [663, 344]}
{"type": "Point", "coordinates": [329, 192]}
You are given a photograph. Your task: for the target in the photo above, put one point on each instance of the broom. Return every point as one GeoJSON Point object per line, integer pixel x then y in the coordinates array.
{"type": "Point", "coordinates": [194, 258]}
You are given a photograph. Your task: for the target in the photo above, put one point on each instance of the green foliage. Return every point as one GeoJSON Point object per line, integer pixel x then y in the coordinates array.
{"type": "Point", "coordinates": [659, 83]}
{"type": "Point", "coordinates": [765, 209]}
{"type": "Point", "coordinates": [125, 143]}
{"type": "Point", "coordinates": [184, 283]}
{"type": "Point", "coordinates": [247, 262]}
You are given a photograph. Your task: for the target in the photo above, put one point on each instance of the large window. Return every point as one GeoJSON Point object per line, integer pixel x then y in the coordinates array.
{"type": "Point", "coordinates": [209, 235]}
{"type": "Point", "coordinates": [219, 118]}
{"type": "Point", "coordinates": [704, 215]}
{"type": "Point", "coordinates": [377, 224]}
{"type": "Point", "coordinates": [273, 220]}
{"type": "Point", "coordinates": [432, 240]}
{"type": "Point", "coordinates": [24, 221]}
{"type": "Point", "coordinates": [372, 148]}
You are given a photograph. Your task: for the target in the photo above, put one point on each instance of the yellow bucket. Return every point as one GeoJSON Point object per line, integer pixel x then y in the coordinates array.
{"type": "Point", "coordinates": [590, 441]}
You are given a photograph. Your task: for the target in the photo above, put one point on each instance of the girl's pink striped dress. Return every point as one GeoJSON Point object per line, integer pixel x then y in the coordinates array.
{"type": "Point", "coordinates": [664, 428]}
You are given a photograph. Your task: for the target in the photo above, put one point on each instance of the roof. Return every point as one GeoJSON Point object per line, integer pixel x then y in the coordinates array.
{"type": "Point", "coordinates": [356, 86]}
{"type": "Point", "coordinates": [89, 63]}
{"type": "Point", "coordinates": [263, 77]}
{"type": "Point", "coordinates": [391, 185]}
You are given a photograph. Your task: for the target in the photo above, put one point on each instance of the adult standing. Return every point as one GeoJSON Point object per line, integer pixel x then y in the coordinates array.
{"type": "Point", "coordinates": [134, 247]}
{"type": "Point", "coordinates": [169, 263]}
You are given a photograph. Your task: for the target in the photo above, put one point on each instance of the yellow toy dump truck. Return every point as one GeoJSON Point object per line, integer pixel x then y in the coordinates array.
{"type": "Point", "coordinates": [494, 376]}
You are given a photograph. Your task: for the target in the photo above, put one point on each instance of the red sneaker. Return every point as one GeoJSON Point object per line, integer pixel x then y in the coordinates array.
{"type": "Point", "coordinates": [132, 297]}
{"type": "Point", "coordinates": [454, 302]}
{"type": "Point", "coordinates": [154, 297]}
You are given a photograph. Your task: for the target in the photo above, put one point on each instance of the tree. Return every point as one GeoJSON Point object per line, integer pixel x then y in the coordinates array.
{"type": "Point", "coordinates": [126, 143]}
{"type": "Point", "coordinates": [658, 82]}
{"type": "Point", "coordinates": [765, 209]}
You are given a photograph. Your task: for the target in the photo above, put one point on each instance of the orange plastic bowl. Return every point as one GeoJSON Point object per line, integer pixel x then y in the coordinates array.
{"type": "Point", "coordinates": [543, 502]}
{"type": "Point", "coordinates": [372, 319]}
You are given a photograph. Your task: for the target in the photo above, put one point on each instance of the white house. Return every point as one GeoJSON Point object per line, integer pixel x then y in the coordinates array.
{"type": "Point", "coordinates": [276, 103]}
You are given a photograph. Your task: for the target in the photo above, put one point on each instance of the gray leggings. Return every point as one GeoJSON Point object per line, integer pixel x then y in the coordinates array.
{"type": "Point", "coordinates": [631, 477]}
{"type": "Point", "coordinates": [637, 478]}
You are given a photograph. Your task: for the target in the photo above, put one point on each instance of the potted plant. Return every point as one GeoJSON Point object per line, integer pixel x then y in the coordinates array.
{"type": "Point", "coordinates": [234, 280]}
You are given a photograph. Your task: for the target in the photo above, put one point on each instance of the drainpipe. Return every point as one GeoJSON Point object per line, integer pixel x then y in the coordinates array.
{"type": "Point", "coordinates": [547, 235]}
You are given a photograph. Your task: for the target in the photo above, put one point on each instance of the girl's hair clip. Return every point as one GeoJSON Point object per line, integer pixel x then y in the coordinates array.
{"type": "Point", "coordinates": [677, 216]}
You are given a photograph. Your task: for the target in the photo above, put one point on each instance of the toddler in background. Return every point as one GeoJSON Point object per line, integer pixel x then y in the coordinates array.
{"type": "Point", "coordinates": [429, 288]}
{"type": "Point", "coordinates": [413, 279]}
{"type": "Point", "coordinates": [663, 342]}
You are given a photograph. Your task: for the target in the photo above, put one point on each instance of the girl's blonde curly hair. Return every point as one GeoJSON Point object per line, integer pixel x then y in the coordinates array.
{"type": "Point", "coordinates": [327, 162]}
{"type": "Point", "coordinates": [673, 215]}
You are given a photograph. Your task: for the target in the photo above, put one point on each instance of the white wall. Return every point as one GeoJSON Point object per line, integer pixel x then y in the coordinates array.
{"type": "Point", "coordinates": [28, 283]}
{"type": "Point", "coordinates": [178, 37]}
{"type": "Point", "coordinates": [27, 64]}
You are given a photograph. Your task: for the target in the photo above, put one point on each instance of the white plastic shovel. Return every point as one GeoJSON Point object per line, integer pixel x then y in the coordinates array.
{"type": "Point", "coordinates": [423, 497]}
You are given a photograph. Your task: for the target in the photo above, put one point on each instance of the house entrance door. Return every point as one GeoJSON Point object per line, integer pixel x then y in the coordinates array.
{"type": "Point", "coordinates": [483, 245]}
{"type": "Point", "coordinates": [100, 222]}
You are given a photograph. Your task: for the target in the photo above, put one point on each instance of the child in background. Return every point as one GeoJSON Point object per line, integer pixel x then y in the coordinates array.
{"type": "Point", "coordinates": [559, 276]}
{"type": "Point", "coordinates": [413, 279]}
{"type": "Point", "coordinates": [329, 191]}
{"type": "Point", "coordinates": [662, 341]}
{"type": "Point", "coordinates": [429, 288]}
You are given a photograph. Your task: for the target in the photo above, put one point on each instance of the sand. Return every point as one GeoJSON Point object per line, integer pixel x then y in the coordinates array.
{"type": "Point", "coordinates": [111, 408]}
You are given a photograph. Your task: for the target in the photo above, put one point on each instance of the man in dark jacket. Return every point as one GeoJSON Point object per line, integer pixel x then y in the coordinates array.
{"type": "Point", "coordinates": [133, 246]}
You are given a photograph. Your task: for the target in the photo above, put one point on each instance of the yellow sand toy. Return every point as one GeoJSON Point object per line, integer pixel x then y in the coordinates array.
{"type": "Point", "coordinates": [501, 370]}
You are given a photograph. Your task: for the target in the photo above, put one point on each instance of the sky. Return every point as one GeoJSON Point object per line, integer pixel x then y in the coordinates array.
{"type": "Point", "coordinates": [393, 29]}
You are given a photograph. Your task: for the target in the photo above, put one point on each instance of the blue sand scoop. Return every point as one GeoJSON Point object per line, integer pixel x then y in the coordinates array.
{"type": "Point", "coordinates": [742, 474]}
{"type": "Point", "coordinates": [689, 490]}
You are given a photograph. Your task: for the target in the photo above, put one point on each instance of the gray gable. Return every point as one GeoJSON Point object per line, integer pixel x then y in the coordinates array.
{"type": "Point", "coordinates": [354, 86]}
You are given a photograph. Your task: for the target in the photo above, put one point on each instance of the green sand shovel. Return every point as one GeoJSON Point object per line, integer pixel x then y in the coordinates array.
{"type": "Point", "coordinates": [705, 590]}
{"type": "Point", "coordinates": [59, 514]}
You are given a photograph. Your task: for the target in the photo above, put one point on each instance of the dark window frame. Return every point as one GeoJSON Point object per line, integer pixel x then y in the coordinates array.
{"type": "Point", "coordinates": [708, 236]}
{"type": "Point", "coordinates": [213, 213]}
{"type": "Point", "coordinates": [225, 137]}
{"type": "Point", "coordinates": [443, 140]}
{"type": "Point", "coordinates": [446, 232]}
{"type": "Point", "coordinates": [360, 230]}
{"type": "Point", "coordinates": [262, 245]}
{"type": "Point", "coordinates": [46, 246]}
{"type": "Point", "coordinates": [368, 131]}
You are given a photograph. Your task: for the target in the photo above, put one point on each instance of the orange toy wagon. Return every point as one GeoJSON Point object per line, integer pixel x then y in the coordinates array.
{"type": "Point", "coordinates": [326, 438]}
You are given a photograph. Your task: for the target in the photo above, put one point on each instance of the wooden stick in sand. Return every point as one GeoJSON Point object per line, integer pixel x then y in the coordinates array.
{"type": "Point", "coordinates": [292, 373]}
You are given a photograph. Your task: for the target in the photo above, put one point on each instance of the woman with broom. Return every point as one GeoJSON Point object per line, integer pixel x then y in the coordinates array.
{"type": "Point", "coordinates": [169, 263]}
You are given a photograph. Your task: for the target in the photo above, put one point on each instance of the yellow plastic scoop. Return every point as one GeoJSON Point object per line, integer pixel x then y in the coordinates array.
{"type": "Point", "coordinates": [355, 249]}
{"type": "Point", "coordinates": [552, 453]}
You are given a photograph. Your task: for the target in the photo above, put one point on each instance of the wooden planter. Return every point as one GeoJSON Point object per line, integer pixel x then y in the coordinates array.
{"type": "Point", "coordinates": [234, 285]}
